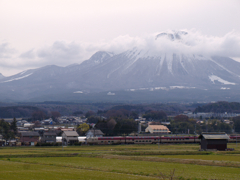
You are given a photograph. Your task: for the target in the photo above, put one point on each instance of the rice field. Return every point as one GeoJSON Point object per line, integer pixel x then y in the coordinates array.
{"type": "Point", "coordinates": [180, 161]}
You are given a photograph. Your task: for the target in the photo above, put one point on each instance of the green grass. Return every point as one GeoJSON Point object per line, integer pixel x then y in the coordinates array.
{"type": "Point", "coordinates": [20, 171]}
{"type": "Point", "coordinates": [228, 158]}
{"type": "Point", "coordinates": [146, 168]}
{"type": "Point", "coordinates": [118, 162]}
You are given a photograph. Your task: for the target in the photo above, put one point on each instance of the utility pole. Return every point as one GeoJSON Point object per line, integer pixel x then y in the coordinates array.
{"type": "Point", "coordinates": [236, 140]}
{"type": "Point", "coordinates": [195, 129]}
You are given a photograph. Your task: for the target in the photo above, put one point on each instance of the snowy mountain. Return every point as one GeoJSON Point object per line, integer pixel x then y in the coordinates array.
{"type": "Point", "coordinates": [144, 71]}
{"type": "Point", "coordinates": [1, 76]}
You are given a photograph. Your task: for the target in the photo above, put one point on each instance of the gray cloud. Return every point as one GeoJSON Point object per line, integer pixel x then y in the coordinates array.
{"type": "Point", "coordinates": [6, 51]}
{"type": "Point", "coordinates": [63, 53]}
{"type": "Point", "coordinates": [28, 55]}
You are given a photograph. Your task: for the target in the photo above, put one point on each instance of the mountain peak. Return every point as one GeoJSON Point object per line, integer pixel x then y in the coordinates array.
{"type": "Point", "coordinates": [1, 76]}
{"type": "Point", "coordinates": [172, 35]}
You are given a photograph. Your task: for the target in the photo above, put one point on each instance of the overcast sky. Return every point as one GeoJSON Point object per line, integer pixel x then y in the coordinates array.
{"type": "Point", "coordinates": [34, 33]}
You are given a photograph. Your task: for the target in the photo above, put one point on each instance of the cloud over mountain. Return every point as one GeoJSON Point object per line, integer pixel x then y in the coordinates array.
{"type": "Point", "coordinates": [64, 53]}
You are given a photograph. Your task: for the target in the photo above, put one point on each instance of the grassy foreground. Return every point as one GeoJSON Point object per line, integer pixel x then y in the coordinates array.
{"type": "Point", "coordinates": [180, 161]}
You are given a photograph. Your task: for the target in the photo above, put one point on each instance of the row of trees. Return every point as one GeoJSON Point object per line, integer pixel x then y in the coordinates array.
{"type": "Point", "coordinates": [182, 124]}
{"type": "Point", "coordinates": [8, 130]}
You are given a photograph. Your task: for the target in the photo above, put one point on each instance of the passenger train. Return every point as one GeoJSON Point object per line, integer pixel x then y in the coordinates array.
{"type": "Point", "coordinates": [149, 139]}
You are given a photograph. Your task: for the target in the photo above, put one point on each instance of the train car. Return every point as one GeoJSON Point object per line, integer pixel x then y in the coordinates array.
{"type": "Point", "coordinates": [234, 139]}
{"type": "Point", "coordinates": [142, 139]}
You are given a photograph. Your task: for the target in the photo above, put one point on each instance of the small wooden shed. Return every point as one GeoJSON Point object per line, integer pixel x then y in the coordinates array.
{"type": "Point", "coordinates": [214, 140]}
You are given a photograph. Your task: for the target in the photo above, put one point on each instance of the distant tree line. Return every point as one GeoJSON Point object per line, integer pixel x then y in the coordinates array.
{"type": "Point", "coordinates": [219, 107]}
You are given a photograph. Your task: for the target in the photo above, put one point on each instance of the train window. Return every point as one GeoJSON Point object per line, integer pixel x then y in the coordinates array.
{"type": "Point", "coordinates": [109, 141]}
{"type": "Point", "coordinates": [101, 141]}
{"type": "Point", "coordinates": [146, 140]}
{"type": "Point", "coordinates": [150, 141]}
{"type": "Point", "coordinates": [143, 141]}
{"type": "Point", "coordinates": [139, 141]}
{"type": "Point", "coordinates": [136, 141]}
{"type": "Point", "coordinates": [112, 141]}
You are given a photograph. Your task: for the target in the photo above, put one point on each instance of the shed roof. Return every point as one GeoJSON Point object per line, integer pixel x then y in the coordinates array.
{"type": "Point", "coordinates": [214, 136]}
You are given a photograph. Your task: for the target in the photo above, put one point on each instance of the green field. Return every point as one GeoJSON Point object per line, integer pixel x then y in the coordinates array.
{"type": "Point", "coordinates": [181, 161]}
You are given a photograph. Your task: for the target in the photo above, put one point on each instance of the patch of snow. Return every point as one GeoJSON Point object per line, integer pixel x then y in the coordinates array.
{"type": "Point", "coordinates": [22, 72]}
{"type": "Point", "coordinates": [162, 88]}
{"type": "Point", "coordinates": [110, 94]}
{"type": "Point", "coordinates": [225, 68]}
{"type": "Point", "coordinates": [224, 88]}
{"type": "Point", "coordinates": [78, 92]}
{"type": "Point", "coordinates": [143, 89]}
{"type": "Point", "coordinates": [214, 78]}
{"type": "Point", "coordinates": [15, 79]}
{"type": "Point", "coordinates": [181, 87]}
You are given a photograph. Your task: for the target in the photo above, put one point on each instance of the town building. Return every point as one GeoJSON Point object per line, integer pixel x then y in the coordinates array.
{"type": "Point", "coordinates": [29, 138]}
{"type": "Point", "coordinates": [158, 129]}
{"type": "Point", "coordinates": [94, 133]}
{"type": "Point", "coordinates": [49, 137]}
{"type": "Point", "coordinates": [69, 137]}
{"type": "Point", "coordinates": [214, 140]}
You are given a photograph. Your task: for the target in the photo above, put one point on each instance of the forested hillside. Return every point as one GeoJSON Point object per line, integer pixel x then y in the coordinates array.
{"type": "Point", "coordinates": [220, 107]}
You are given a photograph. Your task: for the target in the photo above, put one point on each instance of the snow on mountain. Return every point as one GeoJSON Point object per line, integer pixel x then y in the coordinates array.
{"type": "Point", "coordinates": [140, 69]}
{"type": "Point", "coordinates": [214, 78]}
{"type": "Point", "coordinates": [15, 79]}
{"type": "Point", "coordinates": [1, 76]}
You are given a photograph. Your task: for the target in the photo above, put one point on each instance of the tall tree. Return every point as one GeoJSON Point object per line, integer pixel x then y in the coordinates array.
{"type": "Point", "coordinates": [5, 130]}
{"type": "Point", "coordinates": [82, 129]}
{"type": "Point", "coordinates": [13, 126]}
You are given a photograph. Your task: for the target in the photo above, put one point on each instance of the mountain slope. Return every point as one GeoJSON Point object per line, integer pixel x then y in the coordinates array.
{"type": "Point", "coordinates": [142, 69]}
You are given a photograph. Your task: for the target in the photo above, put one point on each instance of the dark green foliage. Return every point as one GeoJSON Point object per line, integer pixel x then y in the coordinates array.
{"type": "Point", "coordinates": [236, 121]}
{"type": "Point", "coordinates": [38, 115]}
{"type": "Point", "coordinates": [181, 124]}
{"type": "Point", "coordinates": [220, 107]}
{"type": "Point", "coordinates": [89, 113]}
{"type": "Point", "coordinates": [155, 115]}
{"type": "Point", "coordinates": [17, 111]}
{"type": "Point", "coordinates": [48, 144]}
{"type": "Point", "coordinates": [5, 130]}
{"type": "Point", "coordinates": [121, 113]}
{"type": "Point", "coordinates": [117, 127]}
{"type": "Point", "coordinates": [94, 119]}
{"type": "Point", "coordinates": [125, 126]}
{"type": "Point", "coordinates": [76, 113]}
{"type": "Point", "coordinates": [13, 126]}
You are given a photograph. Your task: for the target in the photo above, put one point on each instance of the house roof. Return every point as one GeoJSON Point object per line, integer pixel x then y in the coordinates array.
{"type": "Point", "coordinates": [158, 127]}
{"type": "Point", "coordinates": [29, 133]}
{"type": "Point", "coordinates": [214, 136]}
{"type": "Point", "coordinates": [50, 134]}
{"type": "Point", "coordinates": [95, 131]}
{"type": "Point", "coordinates": [70, 133]}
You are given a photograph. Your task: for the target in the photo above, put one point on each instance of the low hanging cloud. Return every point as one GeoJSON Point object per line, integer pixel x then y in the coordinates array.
{"type": "Point", "coordinates": [64, 53]}
{"type": "Point", "coordinates": [6, 51]}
